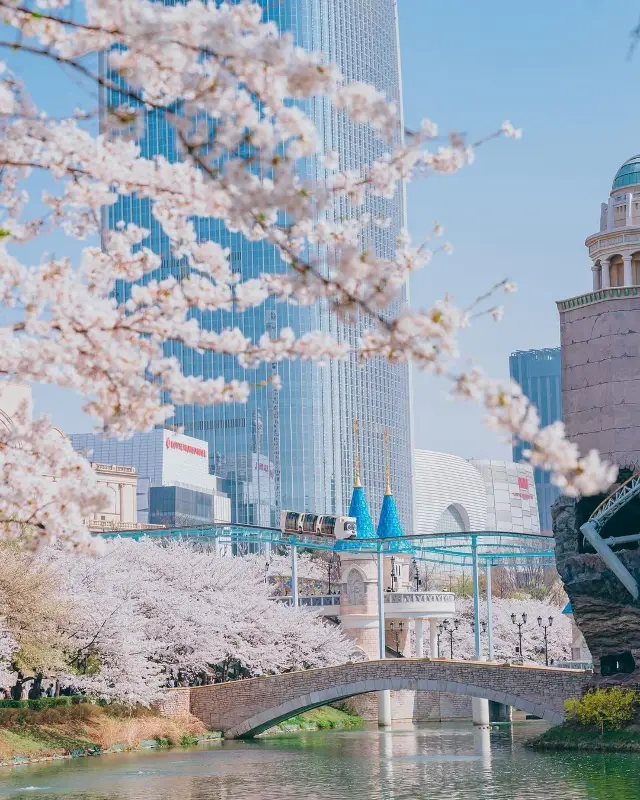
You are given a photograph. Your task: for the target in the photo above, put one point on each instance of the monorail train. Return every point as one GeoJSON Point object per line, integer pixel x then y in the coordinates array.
{"type": "Point", "coordinates": [318, 524]}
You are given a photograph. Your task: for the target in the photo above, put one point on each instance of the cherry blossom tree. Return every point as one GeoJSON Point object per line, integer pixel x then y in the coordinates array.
{"type": "Point", "coordinates": [505, 633]}
{"type": "Point", "coordinates": [148, 614]}
{"type": "Point", "coordinates": [232, 88]}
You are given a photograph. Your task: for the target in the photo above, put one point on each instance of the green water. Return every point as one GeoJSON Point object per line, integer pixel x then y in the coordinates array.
{"type": "Point", "coordinates": [444, 761]}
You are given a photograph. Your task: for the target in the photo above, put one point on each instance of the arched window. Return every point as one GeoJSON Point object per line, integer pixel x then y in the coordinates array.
{"type": "Point", "coordinates": [355, 588]}
{"type": "Point", "coordinates": [616, 271]}
{"type": "Point", "coordinates": [451, 521]}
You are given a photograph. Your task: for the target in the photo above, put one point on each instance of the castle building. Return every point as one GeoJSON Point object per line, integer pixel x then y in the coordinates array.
{"type": "Point", "coordinates": [600, 332]}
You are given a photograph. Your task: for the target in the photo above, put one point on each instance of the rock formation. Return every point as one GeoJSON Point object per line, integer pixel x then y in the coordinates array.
{"type": "Point", "coordinates": [603, 609]}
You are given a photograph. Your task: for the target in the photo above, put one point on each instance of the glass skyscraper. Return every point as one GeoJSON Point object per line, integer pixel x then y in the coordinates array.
{"type": "Point", "coordinates": [292, 449]}
{"type": "Point", "coordinates": [538, 372]}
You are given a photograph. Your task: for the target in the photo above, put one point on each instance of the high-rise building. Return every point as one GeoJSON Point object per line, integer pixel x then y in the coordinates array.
{"type": "Point", "coordinates": [300, 435]}
{"type": "Point", "coordinates": [539, 374]}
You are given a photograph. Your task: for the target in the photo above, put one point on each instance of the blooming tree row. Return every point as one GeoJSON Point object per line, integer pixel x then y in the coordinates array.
{"type": "Point", "coordinates": [505, 633]}
{"type": "Point", "coordinates": [223, 79]}
{"type": "Point", "coordinates": [141, 616]}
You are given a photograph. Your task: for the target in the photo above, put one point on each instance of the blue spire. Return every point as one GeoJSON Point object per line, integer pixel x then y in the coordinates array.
{"type": "Point", "coordinates": [389, 525]}
{"type": "Point", "coordinates": [360, 510]}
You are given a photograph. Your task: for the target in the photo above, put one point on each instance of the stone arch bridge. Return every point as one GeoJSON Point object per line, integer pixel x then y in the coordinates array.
{"type": "Point", "coordinates": [247, 707]}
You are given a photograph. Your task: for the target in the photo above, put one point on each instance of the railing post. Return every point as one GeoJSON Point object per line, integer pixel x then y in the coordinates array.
{"type": "Point", "coordinates": [489, 610]}
{"type": "Point", "coordinates": [381, 637]}
{"type": "Point", "coordinates": [384, 697]}
{"type": "Point", "coordinates": [476, 596]}
{"type": "Point", "coordinates": [294, 575]}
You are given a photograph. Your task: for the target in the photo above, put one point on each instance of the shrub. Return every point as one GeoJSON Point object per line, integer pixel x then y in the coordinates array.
{"type": "Point", "coordinates": [604, 708]}
{"type": "Point", "coordinates": [44, 702]}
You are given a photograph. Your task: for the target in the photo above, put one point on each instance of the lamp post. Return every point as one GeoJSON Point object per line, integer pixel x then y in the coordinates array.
{"type": "Point", "coordinates": [450, 631]}
{"type": "Point", "coordinates": [397, 630]}
{"type": "Point", "coordinates": [331, 565]}
{"type": "Point", "coordinates": [393, 574]}
{"type": "Point", "coordinates": [416, 574]}
{"type": "Point", "coordinates": [545, 628]}
{"type": "Point", "coordinates": [483, 626]}
{"type": "Point", "coordinates": [520, 625]}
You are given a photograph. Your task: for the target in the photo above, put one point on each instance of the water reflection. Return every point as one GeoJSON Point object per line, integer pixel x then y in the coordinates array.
{"type": "Point", "coordinates": [456, 762]}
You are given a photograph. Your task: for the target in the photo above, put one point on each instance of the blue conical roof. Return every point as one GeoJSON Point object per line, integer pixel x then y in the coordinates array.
{"type": "Point", "coordinates": [389, 525]}
{"type": "Point", "coordinates": [360, 510]}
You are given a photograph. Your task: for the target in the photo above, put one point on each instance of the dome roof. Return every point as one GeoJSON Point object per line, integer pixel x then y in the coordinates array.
{"type": "Point", "coordinates": [628, 174]}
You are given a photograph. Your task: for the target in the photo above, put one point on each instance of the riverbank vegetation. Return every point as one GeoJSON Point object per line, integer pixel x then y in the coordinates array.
{"type": "Point", "coordinates": [605, 720]}
{"type": "Point", "coordinates": [84, 728]}
{"type": "Point", "coordinates": [318, 719]}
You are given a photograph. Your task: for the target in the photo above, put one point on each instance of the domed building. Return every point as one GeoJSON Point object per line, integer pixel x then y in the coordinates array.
{"type": "Point", "coordinates": [615, 249]}
{"type": "Point", "coordinates": [600, 331]}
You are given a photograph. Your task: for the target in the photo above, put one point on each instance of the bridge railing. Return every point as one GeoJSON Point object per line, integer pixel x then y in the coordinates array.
{"type": "Point", "coordinates": [314, 600]}
{"type": "Point", "coordinates": [573, 664]}
{"type": "Point", "coordinates": [400, 602]}
{"type": "Point", "coordinates": [418, 597]}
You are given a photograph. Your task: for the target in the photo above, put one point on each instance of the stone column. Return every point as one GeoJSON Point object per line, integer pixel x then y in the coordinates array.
{"type": "Point", "coordinates": [433, 638]}
{"type": "Point", "coordinates": [121, 499]}
{"type": "Point", "coordinates": [419, 641]}
{"type": "Point", "coordinates": [595, 270]}
{"type": "Point", "coordinates": [628, 279]}
{"type": "Point", "coordinates": [480, 710]}
{"type": "Point", "coordinates": [605, 277]}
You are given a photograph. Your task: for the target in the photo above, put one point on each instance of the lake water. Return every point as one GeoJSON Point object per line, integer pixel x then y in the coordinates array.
{"type": "Point", "coordinates": [452, 761]}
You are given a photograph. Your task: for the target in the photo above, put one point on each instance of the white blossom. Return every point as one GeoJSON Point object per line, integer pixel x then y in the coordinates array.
{"type": "Point", "coordinates": [218, 63]}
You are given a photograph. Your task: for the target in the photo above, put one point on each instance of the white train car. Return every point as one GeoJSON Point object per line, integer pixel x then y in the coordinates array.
{"type": "Point", "coordinates": [328, 525]}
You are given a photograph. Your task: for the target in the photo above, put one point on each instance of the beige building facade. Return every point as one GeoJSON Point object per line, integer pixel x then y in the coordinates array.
{"type": "Point", "coordinates": [600, 332]}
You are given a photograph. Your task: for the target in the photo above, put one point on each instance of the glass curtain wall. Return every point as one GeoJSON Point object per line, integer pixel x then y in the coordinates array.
{"type": "Point", "coordinates": [539, 374]}
{"type": "Point", "coordinates": [292, 449]}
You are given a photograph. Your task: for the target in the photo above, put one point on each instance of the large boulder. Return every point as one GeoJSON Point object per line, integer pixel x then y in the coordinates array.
{"type": "Point", "coordinates": [603, 609]}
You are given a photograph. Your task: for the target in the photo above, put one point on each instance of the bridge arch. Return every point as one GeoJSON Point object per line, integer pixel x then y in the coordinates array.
{"type": "Point", "coordinates": [248, 707]}
{"type": "Point", "coordinates": [258, 723]}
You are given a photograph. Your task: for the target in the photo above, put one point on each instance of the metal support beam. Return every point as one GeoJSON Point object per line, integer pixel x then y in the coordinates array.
{"type": "Point", "coordinates": [489, 610]}
{"type": "Point", "coordinates": [294, 575]}
{"type": "Point", "coordinates": [381, 637]}
{"type": "Point", "coordinates": [476, 596]}
{"type": "Point", "coordinates": [590, 531]}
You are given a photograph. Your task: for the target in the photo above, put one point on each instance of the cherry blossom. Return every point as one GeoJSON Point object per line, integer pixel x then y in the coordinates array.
{"type": "Point", "coordinates": [223, 79]}
{"type": "Point", "coordinates": [148, 613]}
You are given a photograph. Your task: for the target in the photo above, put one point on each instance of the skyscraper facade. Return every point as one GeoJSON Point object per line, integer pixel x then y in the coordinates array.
{"type": "Point", "coordinates": [539, 374]}
{"type": "Point", "coordinates": [300, 436]}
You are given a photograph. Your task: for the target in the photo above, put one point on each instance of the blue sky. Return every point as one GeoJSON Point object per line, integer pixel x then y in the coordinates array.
{"type": "Point", "coordinates": [559, 70]}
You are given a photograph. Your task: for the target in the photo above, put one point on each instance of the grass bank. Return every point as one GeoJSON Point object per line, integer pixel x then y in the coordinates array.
{"type": "Point", "coordinates": [323, 718]}
{"type": "Point", "coordinates": [52, 732]}
{"type": "Point", "coordinates": [573, 737]}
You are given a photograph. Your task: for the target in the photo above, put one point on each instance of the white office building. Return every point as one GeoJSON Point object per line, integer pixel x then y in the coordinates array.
{"type": "Point", "coordinates": [454, 494]}
{"type": "Point", "coordinates": [175, 487]}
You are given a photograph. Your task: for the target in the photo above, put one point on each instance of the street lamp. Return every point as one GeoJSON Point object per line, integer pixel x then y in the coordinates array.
{"type": "Point", "coordinates": [483, 626]}
{"type": "Point", "coordinates": [520, 625]}
{"type": "Point", "coordinates": [331, 566]}
{"type": "Point", "coordinates": [397, 630]}
{"type": "Point", "coordinates": [416, 574]}
{"type": "Point", "coordinates": [450, 631]}
{"type": "Point", "coordinates": [545, 628]}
